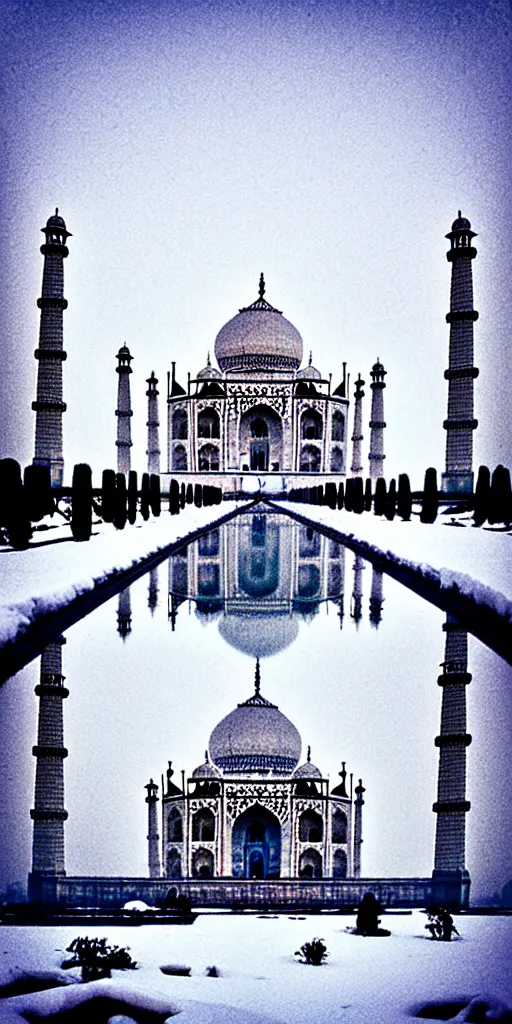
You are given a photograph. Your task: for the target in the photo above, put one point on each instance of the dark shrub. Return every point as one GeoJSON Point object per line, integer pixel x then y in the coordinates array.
{"type": "Point", "coordinates": [174, 497]}
{"type": "Point", "coordinates": [190, 494]}
{"type": "Point", "coordinates": [108, 495]}
{"type": "Point", "coordinates": [120, 502]}
{"type": "Point", "coordinates": [14, 505]}
{"type": "Point", "coordinates": [132, 496]}
{"type": "Point", "coordinates": [357, 495]}
{"type": "Point", "coordinates": [314, 952]}
{"type": "Point", "coordinates": [379, 501]}
{"type": "Point", "coordinates": [404, 497]}
{"type": "Point", "coordinates": [198, 495]}
{"type": "Point", "coordinates": [391, 500]}
{"type": "Point", "coordinates": [482, 496]}
{"type": "Point", "coordinates": [81, 502]}
{"type": "Point", "coordinates": [341, 495]}
{"type": "Point", "coordinates": [38, 492]}
{"type": "Point", "coordinates": [144, 496]}
{"type": "Point", "coordinates": [155, 499]}
{"type": "Point", "coordinates": [183, 499]}
{"type": "Point", "coordinates": [500, 497]}
{"type": "Point", "coordinates": [428, 512]}
{"type": "Point", "coordinates": [349, 491]}
{"type": "Point", "coordinates": [368, 495]}
{"type": "Point", "coordinates": [97, 959]}
{"type": "Point", "coordinates": [331, 495]}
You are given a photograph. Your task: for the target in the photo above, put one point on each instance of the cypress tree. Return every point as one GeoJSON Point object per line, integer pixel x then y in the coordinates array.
{"type": "Point", "coordinates": [190, 494]}
{"type": "Point", "coordinates": [108, 495]}
{"type": "Point", "coordinates": [81, 502]}
{"type": "Point", "coordinates": [155, 499]}
{"type": "Point", "coordinates": [120, 502]}
{"type": "Point", "coordinates": [38, 490]}
{"type": "Point", "coordinates": [174, 497]}
{"type": "Point", "coordinates": [349, 490]}
{"type": "Point", "coordinates": [391, 500]}
{"type": "Point", "coordinates": [482, 496]}
{"type": "Point", "coordinates": [404, 497]}
{"type": "Point", "coordinates": [330, 495]}
{"type": "Point", "coordinates": [357, 495]}
{"type": "Point", "coordinates": [198, 495]}
{"type": "Point", "coordinates": [379, 501]}
{"type": "Point", "coordinates": [341, 495]}
{"type": "Point", "coordinates": [183, 500]}
{"type": "Point", "coordinates": [507, 497]}
{"type": "Point", "coordinates": [144, 496]}
{"type": "Point", "coordinates": [14, 505]}
{"type": "Point", "coordinates": [368, 495]}
{"type": "Point", "coordinates": [132, 496]}
{"type": "Point", "coordinates": [500, 498]}
{"type": "Point", "coordinates": [428, 512]}
{"type": "Point", "coordinates": [320, 499]}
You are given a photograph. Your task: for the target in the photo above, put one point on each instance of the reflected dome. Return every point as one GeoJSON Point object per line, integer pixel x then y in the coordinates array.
{"type": "Point", "coordinates": [259, 636]}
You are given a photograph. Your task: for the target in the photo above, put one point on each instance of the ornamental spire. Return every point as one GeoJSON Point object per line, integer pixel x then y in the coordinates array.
{"type": "Point", "coordinates": [257, 679]}
{"type": "Point", "coordinates": [261, 286]}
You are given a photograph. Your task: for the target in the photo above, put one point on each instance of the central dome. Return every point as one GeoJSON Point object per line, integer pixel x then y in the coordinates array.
{"type": "Point", "coordinates": [258, 338]}
{"type": "Point", "coordinates": [255, 737]}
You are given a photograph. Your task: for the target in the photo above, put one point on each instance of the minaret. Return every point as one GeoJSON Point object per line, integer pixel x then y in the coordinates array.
{"type": "Point", "coordinates": [153, 837]}
{"type": "Point", "coordinates": [356, 467]}
{"type": "Point", "coordinates": [153, 452]}
{"type": "Point", "coordinates": [48, 813]}
{"type": "Point", "coordinates": [356, 612]}
{"type": "Point", "coordinates": [124, 410]}
{"type": "Point", "coordinates": [459, 423]}
{"type": "Point", "coordinates": [358, 828]}
{"type": "Point", "coordinates": [153, 589]}
{"type": "Point", "coordinates": [124, 613]}
{"type": "Point", "coordinates": [376, 598]}
{"type": "Point", "coordinates": [49, 406]}
{"type": "Point", "coordinates": [451, 807]}
{"type": "Point", "coordinates": [377, 423]}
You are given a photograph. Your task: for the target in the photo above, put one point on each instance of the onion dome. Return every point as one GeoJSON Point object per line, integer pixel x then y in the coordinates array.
{"type": "Point", "coordinates": [255, 737]}
{"type": "Point", "coordinates": [258, 337]}
{"type": "Point", "coordinates": [260, 636]}
{"type": "Point", "coordinates": [209, 372]}
{"type": "Point", "coordinates": [307, 770]}
{"type": "Point", "coordinates": [56, 226]}
{"type": "Point", "coordinates": [461, 223]}
{"type": "Point", "coordinates": [206, 770]}
{"type": "Point", "coordinates": [309, 372]}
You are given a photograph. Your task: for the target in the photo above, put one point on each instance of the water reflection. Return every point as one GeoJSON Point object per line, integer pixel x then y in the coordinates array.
{"type": "Point", "coordinates": [258, 576]}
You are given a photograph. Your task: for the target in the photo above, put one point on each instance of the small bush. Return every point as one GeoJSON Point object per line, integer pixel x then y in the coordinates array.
{"type": "Point", "coordinates": [314, 952]}
{"type": "Point", "coordinates": [97, 959]}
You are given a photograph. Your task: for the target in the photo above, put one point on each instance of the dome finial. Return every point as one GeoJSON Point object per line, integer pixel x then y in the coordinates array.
{"type": "Point", "coordinates": [459, 213]}
{"type": "Point", "coordinates": [262, 286]}
{"type": "Point", "coordinates": [309, 755]}
{"type": "Point", "coordinates": [310, 357]}
{"type": "Point", "coordinates": [257, 679]}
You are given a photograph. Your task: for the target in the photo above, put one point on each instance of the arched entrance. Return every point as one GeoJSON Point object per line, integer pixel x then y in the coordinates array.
{"type": "Point", "coordinates": [261, 440]}
{"type": "Point", "coordinates": [256, 844]}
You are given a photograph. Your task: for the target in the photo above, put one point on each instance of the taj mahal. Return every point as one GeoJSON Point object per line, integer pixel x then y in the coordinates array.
{"type": "Point", "coordinates": [252, 811]}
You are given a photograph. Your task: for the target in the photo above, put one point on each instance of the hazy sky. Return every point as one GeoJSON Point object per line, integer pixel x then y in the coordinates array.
{"type": "Point", "coordinates": [191, 145]}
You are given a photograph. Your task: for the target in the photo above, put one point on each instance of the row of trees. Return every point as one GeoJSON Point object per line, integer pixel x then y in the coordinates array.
{"type": "Point", "coordinates": [27, 499]}
{"type": "Point", "coordinates": [491, 501]}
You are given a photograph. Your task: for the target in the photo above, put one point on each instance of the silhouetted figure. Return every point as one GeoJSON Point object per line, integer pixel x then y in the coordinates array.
{"type": "Point", "coordinates": [368, 921]}
{"type": "Point", "coordinates": [440, 925]}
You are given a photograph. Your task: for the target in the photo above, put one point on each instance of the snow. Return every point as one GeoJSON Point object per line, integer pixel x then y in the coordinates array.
{"type": "Point", "coordinates": [47, 577]}
{"type": "Point", "coordinates": [477, 560]}
{"type": "Point", "coordinates": [364, 981]}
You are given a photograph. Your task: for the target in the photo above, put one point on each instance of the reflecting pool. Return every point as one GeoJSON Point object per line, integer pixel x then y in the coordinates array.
{"type": "Point", "coordinates": [349, 656]}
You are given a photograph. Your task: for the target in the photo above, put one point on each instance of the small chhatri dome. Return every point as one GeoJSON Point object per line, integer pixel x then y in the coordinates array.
{"type": "Point", "coordinates": [255, 737]}
{"type": "Point", "coordinates": [206, 770]}
{"type": "Point", "coordinates": [56, 221]}
{"type": "Point", "coordinates": [307, 770]}
{"type": "Point", "coordinates": [309, 372]}
{"type": "Point", "coordinates": [461, 223]}
{"type": "Point", "coordinates": [258, 337]}
{"type": "Point", "coordinates": [209, 372]}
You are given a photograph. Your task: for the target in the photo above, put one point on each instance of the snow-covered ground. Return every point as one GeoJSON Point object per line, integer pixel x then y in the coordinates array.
{"type": "Point", "coordinates": [55, 569]}
{"type": "Point", "coordinates": [364, 981]}
{"type": "Point", "coordinates": [478, 560]}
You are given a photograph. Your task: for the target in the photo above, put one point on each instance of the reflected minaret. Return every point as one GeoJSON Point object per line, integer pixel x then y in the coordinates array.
{"type": "Point", "coordinates": [358, 828]}
{"type": "Point", "coordinates": [459, 423]}
{"type": "Point", "coordinates": [124, 410]}
{"type": "Point", "coordinates": [450, 874]}
{"type": "Point", "coordinates": [153, 837]}
{"type": "Point", "coordinates": [153, 452]}
{"type": "Point", "coordinates": [376, 597]}
{"type": "Point", "coordinates": [377, 423]}
{"type": "Point", "coordinates": [356, 467]}
{"type": "Point", "coordinates": [48, 813]}
{"type": "Point", "coordinates": [356, 610]}
{"type": "Point", "coordinates": [124, 613]}
{"type": "Point", "coordinates": [153, 589]}
{"type": "Point", "coordinates": [49, 406]}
